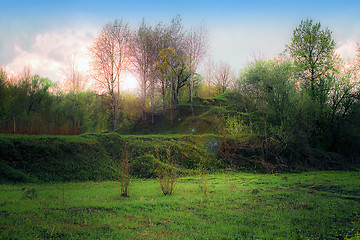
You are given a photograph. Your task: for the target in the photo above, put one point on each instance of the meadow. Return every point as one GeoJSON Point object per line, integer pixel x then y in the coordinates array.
{"type": "Point", "coordinates": [228, 205]}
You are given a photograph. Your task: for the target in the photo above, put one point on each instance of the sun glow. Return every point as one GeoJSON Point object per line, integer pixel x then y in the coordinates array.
{"type": "Point", "coordinates": [129, 83]}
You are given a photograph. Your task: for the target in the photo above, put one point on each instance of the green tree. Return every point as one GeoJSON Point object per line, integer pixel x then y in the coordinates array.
{"type": "Point", "coordinates": [312, 51]}
{"type": "Point", "coordinates": [172, 67]}
{"type": "Point", "coordinates": [4, 98]}
{"type": "Point", "coordinates": [269, 85]}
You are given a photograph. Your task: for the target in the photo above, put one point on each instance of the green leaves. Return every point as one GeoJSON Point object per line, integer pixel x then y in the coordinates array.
{"type": "Point", "coordinates": [312, 52]}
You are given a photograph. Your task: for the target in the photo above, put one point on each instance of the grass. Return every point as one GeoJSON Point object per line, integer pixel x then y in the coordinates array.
{"type": "Point", "coordinates": [317, 205]}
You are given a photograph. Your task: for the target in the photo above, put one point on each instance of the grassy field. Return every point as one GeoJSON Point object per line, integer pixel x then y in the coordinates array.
{"type": "Point", "coordinates": [316, 205]}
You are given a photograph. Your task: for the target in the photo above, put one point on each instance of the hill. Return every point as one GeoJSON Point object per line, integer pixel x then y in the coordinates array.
{"type": "Point", "coordinates": [208, 113]}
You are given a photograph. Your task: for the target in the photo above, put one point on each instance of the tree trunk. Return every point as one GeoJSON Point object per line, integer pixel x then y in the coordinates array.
{"type": "Point", "coordinates": [112, 111]}
{"type": "Point", "coordinates": [191, 94]}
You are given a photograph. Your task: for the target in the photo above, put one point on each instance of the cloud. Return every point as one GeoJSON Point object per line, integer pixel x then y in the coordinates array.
{"type": "Point", "coordinates": [48, 52]}
{"type": "Point", "coordinates": [347, 48]}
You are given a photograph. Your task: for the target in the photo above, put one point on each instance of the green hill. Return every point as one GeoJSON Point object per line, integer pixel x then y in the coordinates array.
{"type": "Point", "coordinates": [180, 120]}
{"type": "Point", "coordinates": [30, 158]}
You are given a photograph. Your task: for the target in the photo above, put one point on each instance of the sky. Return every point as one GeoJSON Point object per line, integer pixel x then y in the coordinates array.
{"type": "Point", "coordinates": [43, 34]}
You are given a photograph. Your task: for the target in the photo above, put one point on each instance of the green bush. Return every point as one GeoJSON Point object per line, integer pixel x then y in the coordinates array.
{"type": "Point", "coordinates": [97, 157]}
{"type": "Point", "coordinates": [9, 174]}
{"type": "Point", "coordinates": [144, 166]}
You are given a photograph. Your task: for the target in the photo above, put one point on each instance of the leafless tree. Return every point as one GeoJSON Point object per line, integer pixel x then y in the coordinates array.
{"type": "Point", "coordinates": [222, 77]}
{"type": "Point", "coordinates": [208, 74]}
{"type": "Point", "coordinates": [195, 49]}
{"type": "Point", "coordinates": [75, 81]}
{"type": "Point", "coordinates": [142, 58]}
{"type": "Point", "coordinates": [109, 59]}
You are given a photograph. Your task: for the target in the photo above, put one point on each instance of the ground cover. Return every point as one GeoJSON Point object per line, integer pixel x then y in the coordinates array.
{"type": "Point", "coordinates": [310, 205]}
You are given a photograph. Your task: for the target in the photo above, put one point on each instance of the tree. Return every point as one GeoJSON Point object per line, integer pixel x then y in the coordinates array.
{"type": "Point", "coordinates": [28, 102]}
{"type": "Point", "coordinates": [223, 77]}
{"type": "Point", "coordinates": [312, 51]}
{"type": "Point", "coordinates": [267, 87]}
{"type": "Point", "coordinates": [208, 77]}
{"type": "Point", "coordinates": [75, 81]}
{"type": "Point", "coordinates": [109, 60]}
{"type": "Point", "coordinates": [173, 68]}
{"type": "Point", "coordinates": [196, 48]}
{"type": "Point", "coordinates": [4, 98]}
{"type": "Point", "coordinates": [170, 60]}
{"type": "Point", "coordinates": [74, 84]}
{"type": "Point", "coordinates": [142, 57]}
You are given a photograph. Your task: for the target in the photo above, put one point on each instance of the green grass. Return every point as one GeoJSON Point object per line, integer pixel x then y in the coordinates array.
{"type": "Point", "coordinates": [317, 205]}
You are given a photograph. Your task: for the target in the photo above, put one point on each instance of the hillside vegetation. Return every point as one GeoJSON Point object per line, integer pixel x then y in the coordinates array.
{"type": "Point", "coordinates": [98, 156]}
{"type": "Point", "coordinates": [203, 141]}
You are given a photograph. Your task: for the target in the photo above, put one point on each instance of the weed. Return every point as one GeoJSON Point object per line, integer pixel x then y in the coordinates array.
{"type": "Point", "coordinates": [30, 194]}
{"type": "Point", "coordinates": [167, 174]}
{"type": "Point", "coordinates": [255, 191]}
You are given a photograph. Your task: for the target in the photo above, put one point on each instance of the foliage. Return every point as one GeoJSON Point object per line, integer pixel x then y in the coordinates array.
{"type": "Point", "coordinates": [235, 127]}
{"type": "Point", "coordinates": [47, 158]}
{"type": "Point", "coordinates": [167, 173]}
{"type": "Point", "coordinates": [98, 156]}
{"type": "Point", "coordinates": [144, 166]}
{"type": "Point", "coordinates": [173, 69]}
{"type": "Point", "coordinates": [312, 50]}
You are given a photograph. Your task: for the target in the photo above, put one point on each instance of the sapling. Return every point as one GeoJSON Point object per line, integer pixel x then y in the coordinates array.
{"type": "Point", "coordinates": [167, 174]}
{"type": "Point", "coordinates": [125, 175]}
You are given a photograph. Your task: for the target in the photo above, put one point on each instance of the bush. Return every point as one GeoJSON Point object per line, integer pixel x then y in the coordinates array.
{"type": "Point", "coordinates": [144, 166]}
{"type": "Point", "coordinates": [167, 174]}
{"type": "Point", "coordinates": [9, 174]}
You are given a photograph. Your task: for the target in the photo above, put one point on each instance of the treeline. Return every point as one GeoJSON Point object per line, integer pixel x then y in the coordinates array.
{"type": "Point", "coordinates": [164, 57]}
{"type": "Point", "coordinates": [305, 99]}
{"type": "Point", "coordinates": [304, 104]}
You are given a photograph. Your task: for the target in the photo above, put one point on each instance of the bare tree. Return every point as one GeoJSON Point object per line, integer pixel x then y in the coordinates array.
{"type": "Point", "coordinates": [109, 59]}
{"type": "Point", "coordinates": [195, 49]}
{"type": "Point", "coordinates": [141, 51]}
{"type": "Point", "coordinates": [75, 81]}
{"type": "Point", "coordinates": [222, 77]}
{"type": "Point", "coordinates": [208, 74]}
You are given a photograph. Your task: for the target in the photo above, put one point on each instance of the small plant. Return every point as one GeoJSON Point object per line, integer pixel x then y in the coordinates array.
{"type": "Point", "coordinates": [167, 174]}
{"type": "Point", "coordinates": [125, 175]}
{"type": "Point", "coordinates": [255, 191]}
{"type": "Point", "coordinates": [30, 194]}
{"type": "Point", "coordinates": [235, 127]}
{"type": "Point", "coordinates": [203, 184]}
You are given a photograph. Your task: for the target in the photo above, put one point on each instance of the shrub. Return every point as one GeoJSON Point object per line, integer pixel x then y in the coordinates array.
{"type": "Point", "coordinates": [167, 174]}
{"type": "Point", "coordinates": [30, 194]}
{"type": "Point", "coordinates": [144, 166]}
{"type": "Point", "coordinates": [125, 175]}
